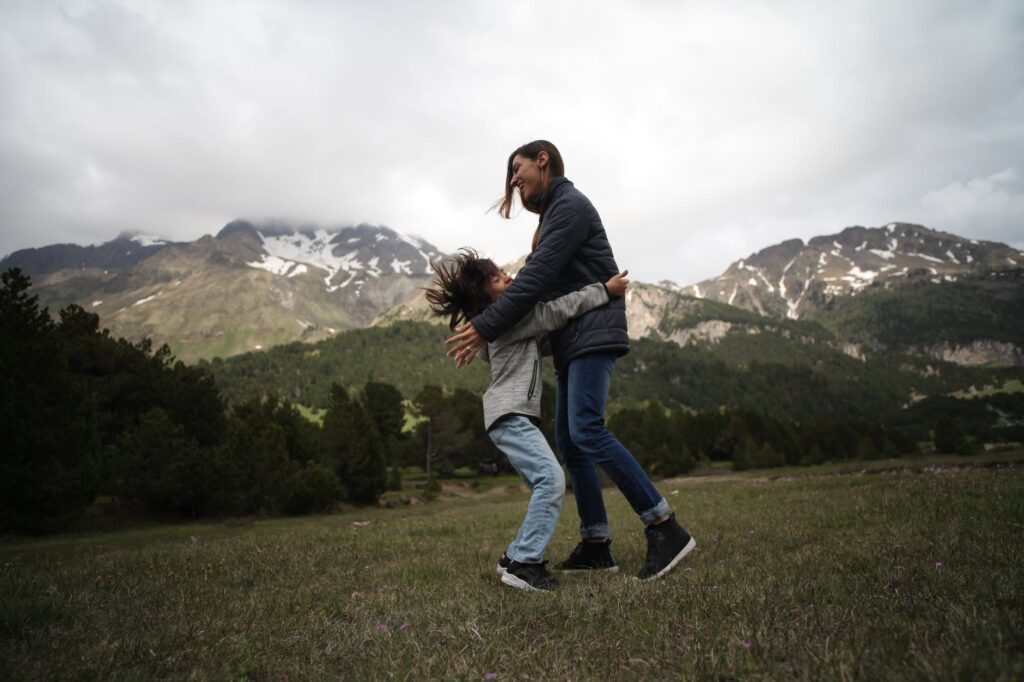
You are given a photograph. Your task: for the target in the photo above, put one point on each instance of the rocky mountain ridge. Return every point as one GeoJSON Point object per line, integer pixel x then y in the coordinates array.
{"type": "Point", "coordinates": [791, 278]}
{"type": "Point", "coordinates": [250, 287]}
{"type": "Point", "coordinates": [127, 249]}
{"type": "Point", "coordinates": [863, 291]}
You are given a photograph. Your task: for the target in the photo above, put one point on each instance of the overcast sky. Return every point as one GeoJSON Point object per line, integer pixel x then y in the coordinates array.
{"type": "Point", "coordinates": [701, 131]}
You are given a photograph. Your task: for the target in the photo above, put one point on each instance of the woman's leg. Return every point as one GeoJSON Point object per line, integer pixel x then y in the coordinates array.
{"type": "Point", "coordinates": [586, 486]}
{"type": "Point", "coordinates": [588, 380]}
{"type": "Point", "coordinates": [530, 455]}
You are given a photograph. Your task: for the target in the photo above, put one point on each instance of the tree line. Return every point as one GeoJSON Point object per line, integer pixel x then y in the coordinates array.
{"type": "Point", "coordinates": [87, 416]}
{"type": "Point", "coordinates": [671, 442]}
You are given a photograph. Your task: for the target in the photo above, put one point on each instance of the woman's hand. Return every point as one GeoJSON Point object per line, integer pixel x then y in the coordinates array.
{"type": "Point", "coordinates": [616, 286]}
{"type": "Point", "coordinates": [468, 343]}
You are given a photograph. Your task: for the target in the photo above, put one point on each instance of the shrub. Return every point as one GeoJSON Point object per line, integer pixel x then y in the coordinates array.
{"type": "Point", "coordinates": [311, 489]}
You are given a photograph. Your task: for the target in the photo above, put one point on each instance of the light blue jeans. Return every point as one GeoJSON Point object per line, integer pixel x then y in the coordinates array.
{"type": "Point", "coordinates": [531, 456]}
{"type": "Point", "coordinates": [585, 442]}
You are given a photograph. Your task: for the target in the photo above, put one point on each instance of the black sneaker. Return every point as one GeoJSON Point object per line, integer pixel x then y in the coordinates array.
{"type": "Point", "coordinates": [590, 556]}
{"type": "Point", "coordinates": [531, 577]}
{"type": "Point", "coordinates": [667, 544]}
{"type": "Point", "coordinates": [503, 563]}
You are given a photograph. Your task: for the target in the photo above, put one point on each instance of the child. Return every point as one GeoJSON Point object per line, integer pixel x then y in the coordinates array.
{"type": "Point", "coordinates": [462, 288]}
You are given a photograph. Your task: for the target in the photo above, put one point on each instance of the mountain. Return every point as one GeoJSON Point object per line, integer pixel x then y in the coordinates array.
{"type": "Point", "coordinates": [128, 249]}
{"type": "Point", "coordinates": [792, 278]}
{"type": "Point", "coordinates": [902, 289]}
{"type": "Point", "coordinates": [978, 319]}
{"type": "Point", "coordinates": [252, 286]}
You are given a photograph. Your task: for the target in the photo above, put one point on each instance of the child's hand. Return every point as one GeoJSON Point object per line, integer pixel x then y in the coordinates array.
{"type": "Point", "coordinates": [616, 286]}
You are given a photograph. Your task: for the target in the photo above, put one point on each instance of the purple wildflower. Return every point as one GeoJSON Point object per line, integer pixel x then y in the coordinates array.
{"type": "Point", "coordinates": [490, 676]}
{"type": "Point", "coordinates": [747, 645]}
{"type": "Point", "coordinates": [403, 626]}
{"type": "Point", "coordinates": [382, 627]}
{"type": "Point", "coordinates": [938, 564]}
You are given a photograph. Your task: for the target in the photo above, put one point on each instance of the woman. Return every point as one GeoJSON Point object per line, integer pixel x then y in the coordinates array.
{"type": "Point", "coordinates": [570, 251]}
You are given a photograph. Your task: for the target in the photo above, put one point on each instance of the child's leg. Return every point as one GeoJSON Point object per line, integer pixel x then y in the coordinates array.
{"type": "Point", "coordinates": [530, 455]}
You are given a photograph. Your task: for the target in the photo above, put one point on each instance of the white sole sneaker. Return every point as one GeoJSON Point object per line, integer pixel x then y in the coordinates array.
{"type": "Point", "coordinates": [675, 560]}
{"type": "Point", "coordinates": [519, 583]}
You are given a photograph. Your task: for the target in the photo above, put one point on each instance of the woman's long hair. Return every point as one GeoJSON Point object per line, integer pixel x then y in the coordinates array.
{"type": "Point", "coordinates": [538, 203]}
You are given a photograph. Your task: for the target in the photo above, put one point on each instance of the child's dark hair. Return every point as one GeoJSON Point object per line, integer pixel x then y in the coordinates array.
{"type": "Point", "coordinates": [458, 290]}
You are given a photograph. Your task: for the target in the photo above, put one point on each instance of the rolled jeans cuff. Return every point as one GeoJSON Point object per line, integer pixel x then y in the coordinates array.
{"type": "Point", "coordinates": [656, 512]}
{"type": "Point", "coordinates": [599, 530]}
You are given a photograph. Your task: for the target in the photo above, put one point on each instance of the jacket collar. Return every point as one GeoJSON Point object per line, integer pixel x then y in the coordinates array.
{"type": "Point", "coordinates": [556, 187]}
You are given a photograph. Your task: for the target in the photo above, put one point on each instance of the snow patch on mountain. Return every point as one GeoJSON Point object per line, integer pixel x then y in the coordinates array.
{"type": "Point", "coordinates": [344, 258]}
{"type": "Point", "coordinates": [858, 278]}
{"type": "Point", "coordinates": [279, 266]}
{"type": "Point", "coordinates": [145, 300]}
{"type": "Point", "coordinates": [148, 240]}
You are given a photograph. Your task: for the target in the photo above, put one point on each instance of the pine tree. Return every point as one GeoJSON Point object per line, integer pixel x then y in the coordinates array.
{"type": "Point", "coordinates": [744, 456]}
{"type": "Point", "coordinates": [48, 421]}
{"type": "Point", "coordinates": [950, 439]}
{"type": "Point", "coordinates": [353, 447]}
{"type": "Point", "coordinates": [384, 404]}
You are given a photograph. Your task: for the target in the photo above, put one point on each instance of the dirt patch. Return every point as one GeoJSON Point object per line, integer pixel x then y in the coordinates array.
{"type": "Point", "coordinates": [461, 491]}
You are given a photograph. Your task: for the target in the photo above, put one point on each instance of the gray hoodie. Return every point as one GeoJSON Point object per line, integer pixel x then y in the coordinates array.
{"type": "Point", "coordinates": [515, 355]}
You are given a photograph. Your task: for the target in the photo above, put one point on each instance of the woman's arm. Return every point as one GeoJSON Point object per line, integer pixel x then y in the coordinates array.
{"type": "Point", "coordinates": [564, 230]}
{"type": "Point", "coordinates": [551, 315]}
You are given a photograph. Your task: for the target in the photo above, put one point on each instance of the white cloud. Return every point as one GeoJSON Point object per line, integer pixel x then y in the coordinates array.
{"type": "Point", "coordinates": [993, 204]}
{"type": "Point", "coordinates": [702, 131]}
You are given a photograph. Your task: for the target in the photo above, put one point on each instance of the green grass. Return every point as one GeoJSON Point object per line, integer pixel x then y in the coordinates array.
{"type": "Point", "coordinates": [906, 574]}
{"type": "Point", "coordinates": [1009, 386]}
{"type": "Point", "coordinates": [311, 413]}
{"type": "Point", "coordinates": [911, 463]}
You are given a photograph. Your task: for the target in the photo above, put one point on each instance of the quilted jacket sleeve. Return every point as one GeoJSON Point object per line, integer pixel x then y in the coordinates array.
{"type": "Point", "coordinates": [551, 315]}
{"type": "Point", "coordinates": [566, 227]}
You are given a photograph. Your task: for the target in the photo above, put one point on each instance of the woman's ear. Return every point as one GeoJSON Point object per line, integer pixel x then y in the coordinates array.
{"type": "Point", "coordinates": [542, 159]}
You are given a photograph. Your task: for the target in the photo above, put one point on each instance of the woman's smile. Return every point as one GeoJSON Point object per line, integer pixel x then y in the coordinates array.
{"type": "Point", "coordinates": [528, 176]}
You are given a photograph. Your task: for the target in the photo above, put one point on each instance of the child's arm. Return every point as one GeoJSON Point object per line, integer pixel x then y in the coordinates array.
{"type": "Point", "coordinates": [552, 315]}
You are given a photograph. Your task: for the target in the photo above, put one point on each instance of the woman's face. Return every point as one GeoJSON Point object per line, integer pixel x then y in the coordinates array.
{"type": "Point", "coordinates": [529, 176]}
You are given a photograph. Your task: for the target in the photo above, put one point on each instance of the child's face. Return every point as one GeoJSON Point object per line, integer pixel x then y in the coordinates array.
{"type": "Point", "coordinates": [497, 284]}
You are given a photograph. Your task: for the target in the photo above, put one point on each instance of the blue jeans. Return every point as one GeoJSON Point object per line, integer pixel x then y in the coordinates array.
{"type": "Point", "coordinates": [585, 442]}
{"type": "Point", "coordinates": [531, 456]}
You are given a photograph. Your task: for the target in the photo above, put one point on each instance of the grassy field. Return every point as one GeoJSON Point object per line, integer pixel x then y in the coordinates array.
{"type": "Point", "coordinates": [897, 574]}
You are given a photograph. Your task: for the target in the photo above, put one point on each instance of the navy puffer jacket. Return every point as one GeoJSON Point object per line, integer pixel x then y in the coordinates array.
{"type": "Point", "coordinates": [573, 252]}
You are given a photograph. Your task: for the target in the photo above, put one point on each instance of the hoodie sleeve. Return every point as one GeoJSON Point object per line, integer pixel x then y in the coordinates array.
{"type": "Point", "coordinates": [552, 315]}
{"type": "Point", "coordinates": [565, 228]}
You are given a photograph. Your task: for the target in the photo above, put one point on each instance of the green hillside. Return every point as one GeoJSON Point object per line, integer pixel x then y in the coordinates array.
{"type": "Point", "coordinates": [767, 372]}
{"type": "Point", "coordinates": [921, 312]}
{"type": "Point", "coordinates": [407, 355]}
